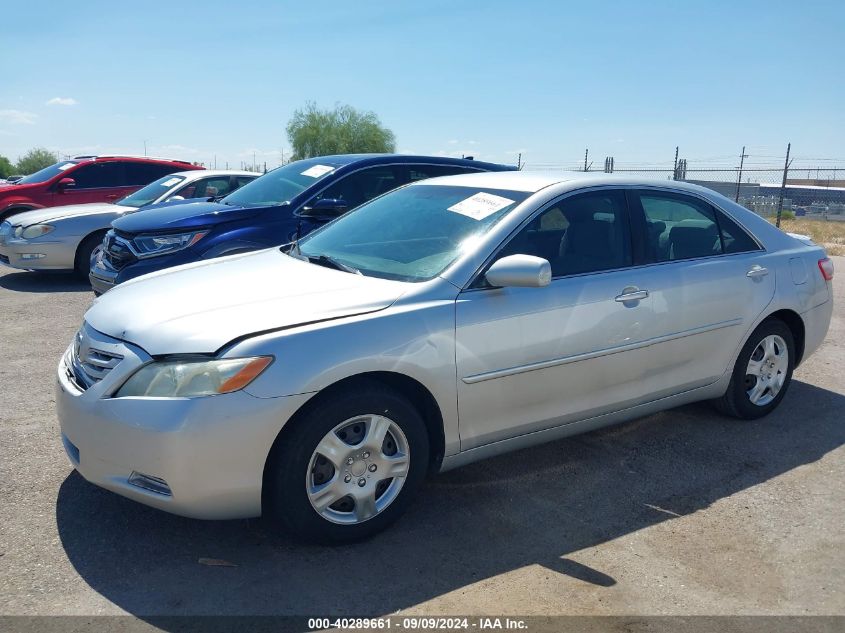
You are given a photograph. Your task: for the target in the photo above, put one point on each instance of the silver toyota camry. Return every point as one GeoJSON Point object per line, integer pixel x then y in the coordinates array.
{"type": "Point", "coordinates": [442, 323]}
{"type": "Point", "coordinates": [64, 238]}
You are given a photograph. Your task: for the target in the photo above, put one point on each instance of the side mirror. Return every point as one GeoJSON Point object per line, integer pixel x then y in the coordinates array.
{"type": "Point", "coordinates": [524, 271]}
{"type": "Point", "coordinates": [175, 198]}
{"type": "Point", "coordinates": [65, 183]}
{"type": "Point", "coordinates": [326, 208]}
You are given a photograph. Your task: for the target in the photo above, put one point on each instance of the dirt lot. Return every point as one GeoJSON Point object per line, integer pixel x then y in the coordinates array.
{"type": "Point", "coordinates": [684, 512]}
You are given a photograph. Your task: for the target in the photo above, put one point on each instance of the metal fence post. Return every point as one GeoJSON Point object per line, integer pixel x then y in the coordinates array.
{"type": "Point", "coordinates": [783, 184]}
{"type": "Point", "coordinates": [742, 158]}
{"type": "Point", "coordinates": [675, 170]}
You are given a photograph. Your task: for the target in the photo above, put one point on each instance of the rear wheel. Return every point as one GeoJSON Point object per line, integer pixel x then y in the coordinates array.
{"type": "Point", "coordinates": [762, 373]}
{"type": "Point", "coordinates": [349, 467]}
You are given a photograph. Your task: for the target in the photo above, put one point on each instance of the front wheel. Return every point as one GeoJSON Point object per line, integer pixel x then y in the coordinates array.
{"type": "Point", "coordinates": [762, 373]}
{"type": "Point", "coordinates": [349, 466]}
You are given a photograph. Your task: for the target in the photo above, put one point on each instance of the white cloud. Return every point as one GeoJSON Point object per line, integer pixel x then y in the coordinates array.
{"type": "Point", "coordinates": [62, 101]}
{"type": "Point", "coordinates": [18, 116]}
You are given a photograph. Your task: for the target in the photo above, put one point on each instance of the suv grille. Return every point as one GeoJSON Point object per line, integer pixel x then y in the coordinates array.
{"type": "Point", "coordinates": [116, 251]}
{"type": "Point", "coordinates": [87, 366]}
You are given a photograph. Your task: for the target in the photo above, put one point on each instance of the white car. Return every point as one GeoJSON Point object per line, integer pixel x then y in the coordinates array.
{"type": "Point", "coordinates": [447, 321]}
{"type": "Point", "coordinates": [64, 238]}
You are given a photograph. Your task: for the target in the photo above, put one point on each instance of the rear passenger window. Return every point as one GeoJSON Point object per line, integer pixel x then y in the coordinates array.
{"type": "Point", "coordinates": [678, 227]}
{"type": "Point", "coordinates": [421, 172]}
{"type": "Point", "coordinates": [580, 234]}
{"type": "Point", "coordinates": [734, 238]}
{"type": "Point", "coordinates": [145, 173]}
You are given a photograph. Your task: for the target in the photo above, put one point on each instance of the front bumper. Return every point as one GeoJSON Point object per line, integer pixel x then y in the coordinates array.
{"type": "Point", "coordinates": [37, 254]}
{"type": "Point", "coordinates": [210, 451]}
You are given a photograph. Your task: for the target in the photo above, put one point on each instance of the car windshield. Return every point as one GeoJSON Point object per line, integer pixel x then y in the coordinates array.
{"type": "Point", "coordinates": [47, 173]}
{"type": "Point", "coordinates": [281, 185]}
{"type": "Point", "coordinates": [410, 234]}
{"type": "Point", "coordinates": [152, 192]}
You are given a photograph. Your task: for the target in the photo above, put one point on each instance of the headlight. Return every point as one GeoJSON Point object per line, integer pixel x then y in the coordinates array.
{"type": "Point", "coordinates": [31, 232]}
{"type": "Point", "coordinates": [193, 377]}
{"type": "Point", "coordinates": [17, 230]}
{"type": "Point", "coordinates": [152, 245]}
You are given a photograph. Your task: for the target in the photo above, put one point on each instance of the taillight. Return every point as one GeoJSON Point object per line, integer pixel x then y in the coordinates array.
{"type": "Point", "coordinates": [826, 266]}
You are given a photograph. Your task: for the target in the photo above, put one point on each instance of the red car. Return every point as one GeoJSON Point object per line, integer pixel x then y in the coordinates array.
{"type": "Point", "coordinates": [85, 179]}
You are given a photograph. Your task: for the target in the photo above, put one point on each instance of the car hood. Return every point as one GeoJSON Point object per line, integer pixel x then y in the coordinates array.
{"type": "Point", "coordinates": [183, 216]}
{"type": "Point", "coordinates": [50, 214]}
{"type": "Point", "coordinates": [200, 307]}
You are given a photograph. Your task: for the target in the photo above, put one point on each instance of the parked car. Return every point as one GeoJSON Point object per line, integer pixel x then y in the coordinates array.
{"type": "Point", "coordinates": [84, 179]}
{"type": "Point", "coordinates": [284, 204]}
{"type": "Point", "coordinates": [445, 322]}
{"type": "Point", "coordinates": [64, 238]}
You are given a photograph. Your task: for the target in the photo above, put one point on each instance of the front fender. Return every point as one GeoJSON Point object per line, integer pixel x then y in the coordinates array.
{"type": "Point", "coordinates": [417, 342]}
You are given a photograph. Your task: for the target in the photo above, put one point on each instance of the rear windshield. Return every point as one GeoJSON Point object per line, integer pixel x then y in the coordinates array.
{"type": "Point", "coordinates": [47, 173]}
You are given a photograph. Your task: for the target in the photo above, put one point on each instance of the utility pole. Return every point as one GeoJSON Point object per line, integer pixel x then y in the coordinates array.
{"type": "Point", "coordinates": [742, 158]}
{"type": "Point", "coordinates": [519, 162]}
{"type": "Point", "coordinates": [675, 168]}
{"type": "Point", "coordinates": [783, 184]}
{"type": "Point", "coordinates": [586, 153]}
{"type": "Point", "coordinates": [145, 147]}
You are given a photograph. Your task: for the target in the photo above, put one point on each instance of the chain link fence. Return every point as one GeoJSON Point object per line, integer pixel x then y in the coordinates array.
{"type": "Point", "coordinates": [800, 190]}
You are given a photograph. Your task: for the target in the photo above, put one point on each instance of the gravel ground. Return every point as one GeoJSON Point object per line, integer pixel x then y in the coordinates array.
{"type": "Point", "coordinates": [684, 512]}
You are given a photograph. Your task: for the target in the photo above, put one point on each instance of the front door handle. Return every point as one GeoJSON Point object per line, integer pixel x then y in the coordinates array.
{"type": "Point", "coordinates": [757, 271]}
{"type": "Point", "coordinates": [632, 293]}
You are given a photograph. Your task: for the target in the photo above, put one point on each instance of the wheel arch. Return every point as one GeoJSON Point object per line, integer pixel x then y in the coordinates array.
{"type": "Point", "coordinates": [795, 324]}
{"type": "Point", "coordinates": [417, 393]}
{"type": "Point", "coordinates": [76, 252]}
{"type": "Point", "coordinates": [14, 209]}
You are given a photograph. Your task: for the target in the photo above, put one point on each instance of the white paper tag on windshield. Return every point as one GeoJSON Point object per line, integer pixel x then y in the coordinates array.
{"type": "Point", "coordinates": [170, 182]}
{"type": "Point", "coordinates": [66, 166]}
{"type": "Point", "coordinates": [480, 205]}
{"type": "Point", "coordinates": [317, 170]}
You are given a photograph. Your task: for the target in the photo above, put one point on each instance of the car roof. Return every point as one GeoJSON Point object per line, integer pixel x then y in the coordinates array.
{"type": "Point", "coordinates": [338, 160]}
{"type": "Point", "coordinates": [130, 157]}
{"type": "Point", "coordinates": [205, 173]}
{"type": "Point", "coordinates": [532, 182]}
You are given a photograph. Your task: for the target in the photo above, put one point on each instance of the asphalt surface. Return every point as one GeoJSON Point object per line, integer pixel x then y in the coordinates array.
{"type": "Point", "coordinates": [683, 512]}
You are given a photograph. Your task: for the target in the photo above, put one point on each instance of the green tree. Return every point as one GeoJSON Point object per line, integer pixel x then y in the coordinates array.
{"type": "Point", "coordinates": [6, 167]}
{"type": "Point", "coordinates": [35, 159]}
{"type": "Point", "coordinates": [342, 130]}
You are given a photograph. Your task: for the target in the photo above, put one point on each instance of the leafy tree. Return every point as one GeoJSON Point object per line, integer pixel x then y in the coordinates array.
{"type": "Point", "coordinates": [6, 167]}
{"type": "Point", "coordinates": [35, 159]}
{"type": "Point", "coordinates": [343, 130]}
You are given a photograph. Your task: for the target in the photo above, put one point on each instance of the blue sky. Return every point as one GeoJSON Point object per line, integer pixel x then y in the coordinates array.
{"type": "Point", "coordinates": [632, 80]}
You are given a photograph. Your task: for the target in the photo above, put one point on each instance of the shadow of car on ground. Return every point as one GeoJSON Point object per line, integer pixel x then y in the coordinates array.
{"type": "Point", "coordinates": [534, 506]}
{"type": "Point", "coordinates": [26, 281]}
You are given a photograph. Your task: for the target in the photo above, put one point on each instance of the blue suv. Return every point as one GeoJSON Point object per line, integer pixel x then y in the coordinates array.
{"type": "Point", "coordinates": [279, 207]}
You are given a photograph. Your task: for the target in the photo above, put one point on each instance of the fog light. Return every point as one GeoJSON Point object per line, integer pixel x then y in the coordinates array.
{"type": "Point", "coordinates": [148, 482]}
{"type": "Point", "coordinates": [32, 255]}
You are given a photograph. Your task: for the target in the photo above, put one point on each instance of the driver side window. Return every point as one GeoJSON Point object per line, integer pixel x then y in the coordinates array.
{"type": "Point", "coordinates": [580, 234]}
{"type": "Point", "coordinates": [362, 186]}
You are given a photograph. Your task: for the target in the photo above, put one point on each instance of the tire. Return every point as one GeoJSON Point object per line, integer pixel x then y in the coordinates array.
{"type": "Point", "coordinates": [82, 261]}
{"type": "Point", "coordinates": [747, 385]}
{"type": "Point", "coordinates": [357, 499]}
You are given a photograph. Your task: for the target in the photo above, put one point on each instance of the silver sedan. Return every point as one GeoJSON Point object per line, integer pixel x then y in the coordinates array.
{"type": "Point", "coordinates": [64, 238]}
{"type": "Point", "coordinates": [445, 322]}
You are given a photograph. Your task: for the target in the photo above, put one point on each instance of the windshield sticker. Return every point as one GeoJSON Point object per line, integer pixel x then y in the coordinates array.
{"type": "Point", "coordinates": [66, 166]}
{"type": "Point", "coordinates": [170, 182]}
{"type": "Point", "coordinates": [480, 205]}
{"type": "Point", "coordinates": [317, 170]}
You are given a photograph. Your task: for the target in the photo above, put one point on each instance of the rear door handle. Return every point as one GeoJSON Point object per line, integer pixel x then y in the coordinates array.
{"type": "Point", "coordinates": [757, 271]}
{"type": "Point", "coordinates": [632, 294]}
